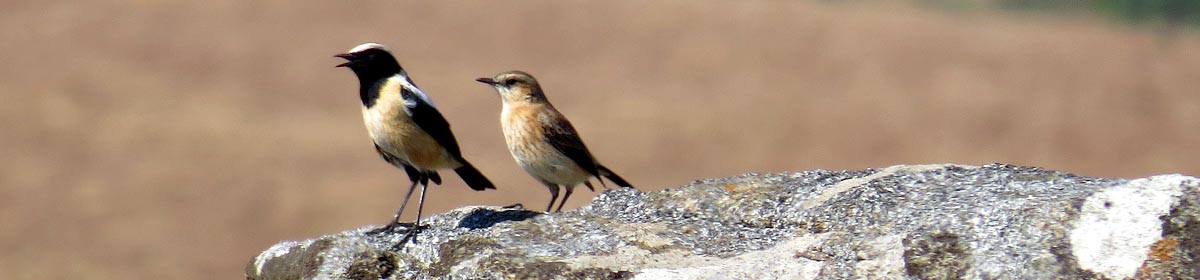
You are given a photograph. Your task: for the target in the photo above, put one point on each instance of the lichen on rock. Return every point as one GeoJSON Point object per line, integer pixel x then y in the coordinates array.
{"type": "Point", "coordinates": [900, 222]}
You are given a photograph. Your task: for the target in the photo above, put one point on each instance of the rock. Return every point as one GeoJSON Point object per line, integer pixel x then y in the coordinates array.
{"type": "Point", "coordinates": [900, 222]}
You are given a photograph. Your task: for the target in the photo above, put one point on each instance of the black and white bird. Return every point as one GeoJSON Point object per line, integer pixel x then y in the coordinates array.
{"type": "Point", "coordinates": [406, 128]}
{"type": "Point", "coordinates": [542, 140]}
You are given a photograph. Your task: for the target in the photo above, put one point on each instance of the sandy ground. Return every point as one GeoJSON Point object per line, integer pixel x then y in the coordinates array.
{"type": "Point", "coordinates": [175, 140]}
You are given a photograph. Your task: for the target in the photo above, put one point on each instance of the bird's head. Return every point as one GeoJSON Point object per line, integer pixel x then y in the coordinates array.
{"type": "Point", "coordinates": [516, 86]}
{"type": "Point", "coordinates": [370, 60]}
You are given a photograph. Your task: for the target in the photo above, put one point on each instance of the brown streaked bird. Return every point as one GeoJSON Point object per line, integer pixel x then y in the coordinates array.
{"type": "Point", "coordinates": [407, 130]}
{"type": "Point", "coordinates": [542, 140]}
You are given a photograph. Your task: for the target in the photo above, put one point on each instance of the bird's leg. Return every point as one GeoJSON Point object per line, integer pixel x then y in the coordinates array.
{"type": "Point", "coordinates": [404, 203]}
{"type": "Point", "coordinates": [553, 195]}
{"type": "Point", "coordinates": [416, 227]}
{"type": "Point", "coordinates": [396, 219]}
{"type": "Point", "coordinates": [570, 189]}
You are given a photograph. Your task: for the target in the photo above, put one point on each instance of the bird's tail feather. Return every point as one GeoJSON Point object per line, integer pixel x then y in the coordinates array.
{"type": "Point", "coordinates": [473, 178]}
{"type": "Point", "coordinates": [612, 176]}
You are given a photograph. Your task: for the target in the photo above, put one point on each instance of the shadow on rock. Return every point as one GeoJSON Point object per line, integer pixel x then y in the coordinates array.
{"type": "Point", "coordinates": [485, 218]}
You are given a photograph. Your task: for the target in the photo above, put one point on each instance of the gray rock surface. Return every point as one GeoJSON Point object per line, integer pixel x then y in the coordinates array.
{"type": "Point", "coordinates": [900, 222]}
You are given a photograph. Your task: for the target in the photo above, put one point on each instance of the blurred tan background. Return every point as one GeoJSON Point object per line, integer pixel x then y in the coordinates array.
{"type": "Point", "coordinates": [175, 140]}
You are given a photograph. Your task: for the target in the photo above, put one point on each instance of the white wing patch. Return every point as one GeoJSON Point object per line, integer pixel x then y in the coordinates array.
{"type": "Point", "coordinates": [410, 100]}
{"type": "Point", "coordinates": [407, 83]}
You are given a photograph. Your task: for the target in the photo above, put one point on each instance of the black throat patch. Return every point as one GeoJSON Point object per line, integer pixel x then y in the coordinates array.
{"type": "Point", "coordinates": [368, 91]}
{"type": "Point", "coordinates": [373, 72]}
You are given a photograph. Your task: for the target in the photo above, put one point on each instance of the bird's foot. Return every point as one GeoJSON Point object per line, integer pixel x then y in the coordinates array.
{"type": "Point", "coordinates": [517, 206]}
{"type": "Point", "coordinates": [409, 235]}
{"type": "Point", "coordinates": [390, 227]}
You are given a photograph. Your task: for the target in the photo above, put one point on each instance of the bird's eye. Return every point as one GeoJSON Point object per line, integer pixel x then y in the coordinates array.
{"type": "Point", "coordinates": [510, 82]}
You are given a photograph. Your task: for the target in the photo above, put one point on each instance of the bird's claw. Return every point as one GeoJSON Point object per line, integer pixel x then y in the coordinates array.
{"type": "Point", "coordinates": [517, 206]}
{"type": "Point", "coordinates": [391, 227]}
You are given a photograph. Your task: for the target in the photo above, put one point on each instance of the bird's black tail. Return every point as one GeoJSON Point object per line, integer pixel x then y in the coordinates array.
{"type": "Point", "coordinates": [473, 178]}
{"type": "Point", "coordinates": [612, 176]}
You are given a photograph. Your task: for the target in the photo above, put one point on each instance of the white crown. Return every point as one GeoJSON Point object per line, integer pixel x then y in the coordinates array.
{"type": "Point", "coordinates": [367, 46]}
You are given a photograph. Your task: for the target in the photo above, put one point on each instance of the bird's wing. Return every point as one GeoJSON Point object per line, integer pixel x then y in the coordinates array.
{"type": "Point", "coordinates": [560, 134]}
{"type": "Point", "coordinates": [418, 106]}
{"type": "Point", "coordinates": [389, 157]}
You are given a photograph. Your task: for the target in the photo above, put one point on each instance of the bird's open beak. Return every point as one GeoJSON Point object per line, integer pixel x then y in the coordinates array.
{"type": "Point", "coordinates": [345, 56]}
{"type": "Point", "coordinates": [488, 81]}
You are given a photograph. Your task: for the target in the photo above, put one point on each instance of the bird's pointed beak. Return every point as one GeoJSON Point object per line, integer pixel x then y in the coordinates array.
{"type": "Point", "coordinates": [345, 56]}
{"type": "Point", "coordinates": [487, 81]}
